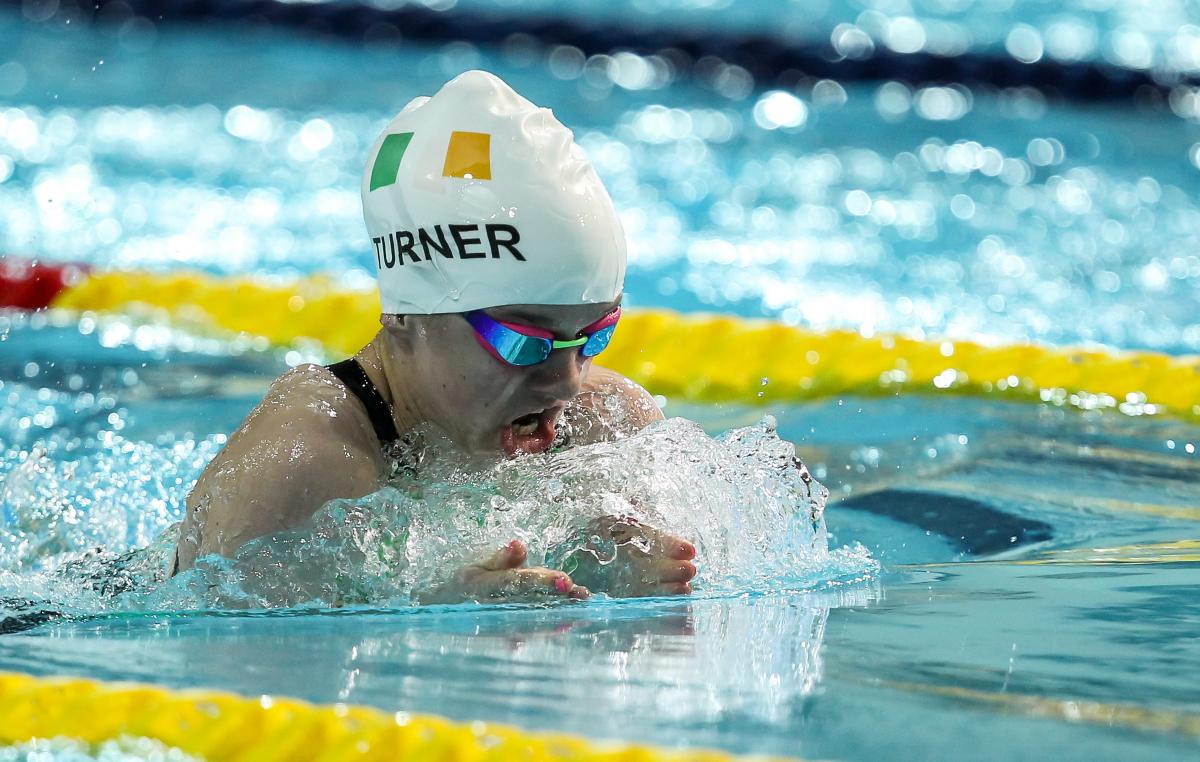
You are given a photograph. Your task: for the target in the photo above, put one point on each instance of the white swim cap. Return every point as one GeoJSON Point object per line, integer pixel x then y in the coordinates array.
{"type": "Point", "coordinates": [477, 198]}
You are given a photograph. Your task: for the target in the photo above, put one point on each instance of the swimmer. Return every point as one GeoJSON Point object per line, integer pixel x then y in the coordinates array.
{"type": "Point", "coordinates": [501, 262]}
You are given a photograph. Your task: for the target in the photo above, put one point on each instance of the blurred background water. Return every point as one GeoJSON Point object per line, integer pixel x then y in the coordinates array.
{"type": "Point", "coordinates": [989, 213]}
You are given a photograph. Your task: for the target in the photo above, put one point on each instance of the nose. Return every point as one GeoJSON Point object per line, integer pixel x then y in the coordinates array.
{"type": "Point", "coordinates": [562, 374]}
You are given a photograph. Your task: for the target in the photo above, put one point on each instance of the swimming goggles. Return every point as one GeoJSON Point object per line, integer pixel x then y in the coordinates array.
{"type": "Point", "coordinates": [518, 344]}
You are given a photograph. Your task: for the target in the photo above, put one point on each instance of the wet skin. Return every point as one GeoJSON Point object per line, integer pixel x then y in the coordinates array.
{"type": "Point", "coordinates": [310, 441]}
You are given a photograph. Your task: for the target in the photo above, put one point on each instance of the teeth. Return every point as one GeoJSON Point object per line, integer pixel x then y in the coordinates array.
{"type": "Point", "coordinates": [527, 424]}
{"type": "Point", "coordinates": [525, 429]}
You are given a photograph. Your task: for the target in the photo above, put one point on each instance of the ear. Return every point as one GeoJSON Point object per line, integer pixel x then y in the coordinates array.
{"type": "Point", "coordinates": [400, 329]}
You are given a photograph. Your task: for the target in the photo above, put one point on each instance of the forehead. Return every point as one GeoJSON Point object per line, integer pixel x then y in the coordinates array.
{"type": "Point", "coordinates": [563, 318]}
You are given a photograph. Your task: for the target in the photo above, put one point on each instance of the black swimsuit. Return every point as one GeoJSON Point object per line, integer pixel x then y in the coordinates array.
{"type": "Point", "coordinates": [350, 373]}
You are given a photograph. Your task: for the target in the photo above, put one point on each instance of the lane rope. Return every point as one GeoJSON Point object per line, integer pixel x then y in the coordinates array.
{"type": "Point", "coordinates": [220, 726]}
{"type": "Point", "coordinates": [767, 56]}
{"type": "Point", "coordinates": [692, 357]}
{"type": "Point", "coordinates": [1105, 714]}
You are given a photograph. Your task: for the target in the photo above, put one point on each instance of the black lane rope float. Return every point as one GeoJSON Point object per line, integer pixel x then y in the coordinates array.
{"type": "Point", "coordinates": [769, 59]}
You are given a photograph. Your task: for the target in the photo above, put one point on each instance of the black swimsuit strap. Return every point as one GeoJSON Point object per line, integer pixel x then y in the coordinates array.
{"type": "Point", "coordinates": [355, 378]}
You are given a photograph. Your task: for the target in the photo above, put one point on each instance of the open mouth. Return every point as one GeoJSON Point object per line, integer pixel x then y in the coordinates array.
{"type": "Point", "coordinates": [532, 432]}
{"type": "Point", "coordinates": [525, 425]}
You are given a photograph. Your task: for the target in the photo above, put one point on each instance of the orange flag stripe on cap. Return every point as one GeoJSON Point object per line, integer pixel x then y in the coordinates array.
{"type": "Point", "coordinates": [469, 155]}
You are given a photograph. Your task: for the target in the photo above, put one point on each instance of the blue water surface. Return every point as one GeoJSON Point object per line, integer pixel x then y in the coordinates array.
{"type": "Point", "coordinates": [1036, 597]}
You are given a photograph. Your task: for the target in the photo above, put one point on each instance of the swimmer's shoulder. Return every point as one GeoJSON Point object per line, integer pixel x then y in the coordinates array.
{"type": "Point", "coordinates": [311, 403]}
{"type": "Point", "coordinates": [610, 406]}
{"type": "Point", "coordinates": [303, 445]}
{"type": "Point", "coordinates": [307, 420]}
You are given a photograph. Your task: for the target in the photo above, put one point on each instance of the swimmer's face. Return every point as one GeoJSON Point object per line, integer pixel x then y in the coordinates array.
{"type": "Point", "coordinates": [483, 403]}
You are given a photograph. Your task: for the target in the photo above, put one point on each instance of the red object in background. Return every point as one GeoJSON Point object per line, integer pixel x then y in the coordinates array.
{"type": "Point", "coordinates": [28, 284]}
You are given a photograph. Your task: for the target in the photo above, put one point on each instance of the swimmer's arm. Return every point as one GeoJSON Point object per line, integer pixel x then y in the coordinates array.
{"type": "Point", "coordinates": [609, 407]}
{"type": "Point", "coordinates": [273, 475]}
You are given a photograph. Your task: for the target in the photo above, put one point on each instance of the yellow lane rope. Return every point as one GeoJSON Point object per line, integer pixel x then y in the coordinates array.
{"type": "Point", "coordinates": [219, 726]}
{"type": "Point", "coordinates": [693, 357]}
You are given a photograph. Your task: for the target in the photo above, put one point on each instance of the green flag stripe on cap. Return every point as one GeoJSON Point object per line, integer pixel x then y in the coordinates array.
{"type": "Point", "coordinates": [387, 162]}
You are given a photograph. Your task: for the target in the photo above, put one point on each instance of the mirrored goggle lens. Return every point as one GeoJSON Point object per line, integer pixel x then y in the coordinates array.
{"type": "Point", "coordinates": [520, 350]}
{"type": "Point", "coordinates": [598, 341]}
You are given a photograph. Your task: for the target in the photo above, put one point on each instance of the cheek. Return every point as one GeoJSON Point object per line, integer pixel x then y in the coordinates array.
{"type": "Point", "coordinates": [473, 384]}
{"type": "Point", "coordinates": [471, 389]}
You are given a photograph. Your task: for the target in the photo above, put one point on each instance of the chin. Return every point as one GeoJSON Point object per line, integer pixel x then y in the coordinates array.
{"type": "Point", "coordinates": [469, 442]}
{"type": "Point", "coordinates": [480, 443]}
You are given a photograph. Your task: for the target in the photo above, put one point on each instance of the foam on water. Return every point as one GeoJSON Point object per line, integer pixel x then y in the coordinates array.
{"type": "Point", "coordinates": [94, 532]}
{"type": "Point", "coordinates": [122, 749]}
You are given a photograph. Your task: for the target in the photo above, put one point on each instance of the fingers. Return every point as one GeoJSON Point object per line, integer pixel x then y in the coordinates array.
{"type": "Point", "coordinates": [579, 593]}
{"type": "Point", "coordinates": [675, 571]}
{"type": "Point", "coordinates": [533, 584]}
{"type": "Point", "coordinates": [671, 546]}
{"type": "Point", "coordinates": [665, 577]}
{"type": "Point", "coordinates": [500, 576]}
{"type": "Point", "coordinates": [558, 582]}
{"type": "Point", "coordinates": [673, 578]}
{"type": "Point", "coordinates": [628, 530]}
{"type": "Point", "coordinates": [679, 548]}
{"type": "Point", "coordinates": [510, 556]}
{"type": "Point", "coordinates": [663, 544]}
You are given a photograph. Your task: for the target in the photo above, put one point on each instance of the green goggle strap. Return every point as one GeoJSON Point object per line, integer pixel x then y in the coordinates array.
{"type": "Point", "coordinates": [556, 344]}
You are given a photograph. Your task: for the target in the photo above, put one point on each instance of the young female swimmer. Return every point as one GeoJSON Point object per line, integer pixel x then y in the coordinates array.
{"type": "Point", "coordinates": [501, 262]}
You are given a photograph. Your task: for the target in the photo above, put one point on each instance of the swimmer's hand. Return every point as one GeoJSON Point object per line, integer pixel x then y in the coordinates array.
{"type": "Point", "coordinates": [502, 577]}
{"type": "Point", "coordinates": [637, 561]}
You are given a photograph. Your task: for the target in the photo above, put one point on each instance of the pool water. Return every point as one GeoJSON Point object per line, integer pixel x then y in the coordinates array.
{"type": "Point", "coordinates": [1025, 583]}
{"type": "Point", "coordinates": [1138, 34]}
{"type": "Point", "coordinates": [866, 206]}
{"type": "Point", "coordinates": [1066, 637]}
